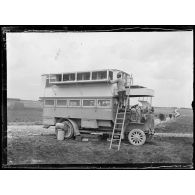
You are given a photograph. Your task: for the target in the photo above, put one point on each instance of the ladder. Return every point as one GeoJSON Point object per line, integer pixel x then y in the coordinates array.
{"type": "Point", "coordinates": [119, 122]}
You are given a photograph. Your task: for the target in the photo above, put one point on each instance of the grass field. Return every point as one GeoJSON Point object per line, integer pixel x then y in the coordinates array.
{"type": "Point", "coordinates": [163, 110]}
{"type": "Point", "coordinates": [26, 115]}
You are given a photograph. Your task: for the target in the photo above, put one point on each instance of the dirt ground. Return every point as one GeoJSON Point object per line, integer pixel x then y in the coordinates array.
{"type": "Point", "coordinates": [36, 145]}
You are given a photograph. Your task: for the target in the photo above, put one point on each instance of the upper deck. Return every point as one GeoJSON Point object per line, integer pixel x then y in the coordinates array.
{"type": "Point", "coordinates": [84, 77]}
{"type": "Point", "coordinates": [89, 84]}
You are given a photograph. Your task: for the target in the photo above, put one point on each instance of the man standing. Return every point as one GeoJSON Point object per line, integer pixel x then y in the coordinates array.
{"type": "Point", "coordinates": [121, 89]}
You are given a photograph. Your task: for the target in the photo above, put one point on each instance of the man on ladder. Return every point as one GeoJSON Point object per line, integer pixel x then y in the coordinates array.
{"type": "Point", "coordinates": [118, 129]}
{"type": "Point", "coordinates": [121, 89]}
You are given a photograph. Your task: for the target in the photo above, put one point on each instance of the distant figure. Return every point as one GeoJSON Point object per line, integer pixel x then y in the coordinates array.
{"type": "Point", "coordinates": [121, 89]}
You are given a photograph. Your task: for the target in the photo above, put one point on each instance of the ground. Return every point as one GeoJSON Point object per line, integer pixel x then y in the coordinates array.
{"type": "Point", "coordinates": [32, 144]}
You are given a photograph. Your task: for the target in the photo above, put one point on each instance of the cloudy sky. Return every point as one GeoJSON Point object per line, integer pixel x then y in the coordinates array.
{"type": "Point", "coordinates": [162, 61]}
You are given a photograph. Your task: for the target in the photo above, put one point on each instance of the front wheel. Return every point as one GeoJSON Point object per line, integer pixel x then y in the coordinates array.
{"type": "Point", "coordinates": [137, 137]}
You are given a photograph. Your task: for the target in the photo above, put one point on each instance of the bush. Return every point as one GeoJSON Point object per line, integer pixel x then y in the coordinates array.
{"type": "Point", "coordinates": [162, 117]}
{"type": "Point", "coordinates": [170, 115]}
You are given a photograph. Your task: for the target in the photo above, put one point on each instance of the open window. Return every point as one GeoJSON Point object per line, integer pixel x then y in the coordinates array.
{"type": "Point", "coordinates": [99, 75]}
{"type": "Point", "coordinates": [83, 76]}
{"type": "Point", "coordinates": [69, 77]}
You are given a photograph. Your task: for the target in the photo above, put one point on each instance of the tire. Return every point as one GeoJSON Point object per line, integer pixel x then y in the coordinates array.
{"type": "Point", "coordinates": [69, 132]}
{"type": "Point", "coordinates": [137, 137]}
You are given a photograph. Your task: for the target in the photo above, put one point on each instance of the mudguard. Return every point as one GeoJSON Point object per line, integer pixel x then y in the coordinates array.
{"type": "Point", "coordinates": [60, 125]}
{"type": "Point", "coordinates": [75, 126]}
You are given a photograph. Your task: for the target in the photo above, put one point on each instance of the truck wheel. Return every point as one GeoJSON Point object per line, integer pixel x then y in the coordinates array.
{"type": "Point", "coordinates": [69, 130]}
{"type": "Point", "coordinates": [137, 137]}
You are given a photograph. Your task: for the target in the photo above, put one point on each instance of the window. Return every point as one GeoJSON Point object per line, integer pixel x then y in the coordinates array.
{"type": "Point", "coordinates": [69, 77]}
{"type": "Point", "coordinates": [104, 103]}
{"type": "Point", "coordinates": [55, 77]}
{"type": "Point", "coordinates": [88, 102]}
{"type": "Point", "coordinates": [111, 75]}
{"type": "Point", "coordinates": [99, 75]}
{"type": "Point", "coordinates": [49, 102]}
{"type": "Point", "coordinates": [61, 102]}
{"type": "Point", "coordinates": [83, 76]}
{"type": "Point", "coordinates": [47, 84]}
{"type": "Point", "coordinates": [74, 102]}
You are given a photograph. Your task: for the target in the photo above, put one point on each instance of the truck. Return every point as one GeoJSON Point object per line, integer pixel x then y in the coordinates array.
{"type": "Point", "coordinates": [87, 102]}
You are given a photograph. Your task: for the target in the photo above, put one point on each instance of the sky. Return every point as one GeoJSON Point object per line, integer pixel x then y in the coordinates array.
{"type": "Point", "coordinates": [162, 61]}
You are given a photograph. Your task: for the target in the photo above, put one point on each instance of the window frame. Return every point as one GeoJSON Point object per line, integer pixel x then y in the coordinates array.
{"type": "Point", "coordinates": [50, 75]}
{"type": "Point", "coordinates": [110, 106]}
{"type": "Point", "coordinates": [69, 75]}
{"type": "Point", "coordinates": [89, 106]}
{"type": "Point", "coordinates": [50, 105]}
{"type": "Point", "coordinates": [74, 106]}
{"type": "Point", "coordinates": [62, 105]}
{"type": "Point", "coordinates": [82, 73]}
{"type": "Point", "coordinates": [108, 75]}
{"type": "Point", "coordinates": [106, 71]}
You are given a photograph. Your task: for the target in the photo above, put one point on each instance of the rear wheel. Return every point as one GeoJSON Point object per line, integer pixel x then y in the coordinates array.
{"type": "Point", "coordinates": [69, 133]}
{"type": "Point", "coordinates": [137, 137]}
{"type": "Point", "coordinates": [69, 130]}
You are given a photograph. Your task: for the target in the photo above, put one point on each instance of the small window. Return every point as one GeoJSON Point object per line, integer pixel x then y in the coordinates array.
{"type": "Point", "coordinates": [69, 77]}
{"type": "Point", "coordinates": [61, 102]}
{"type": "Point", "coordinates": [111, 75]}
{"type": "Point", "coordinates": [99, 75]}
{"type": "Point", "coordinates": [74, 102]}
{"type": "Point", "coordinates": [47, 83]}
{"type": "Point", "coordinates": [88, 102]}
{"type": "Point", "coordinates": [83, 76]}
{"type": "Point", "coordinates": [104, 103]}
{"type": "Point", "coordinates": [49, 102]}
{"type": "Point", "coordinates": [55, 77]}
